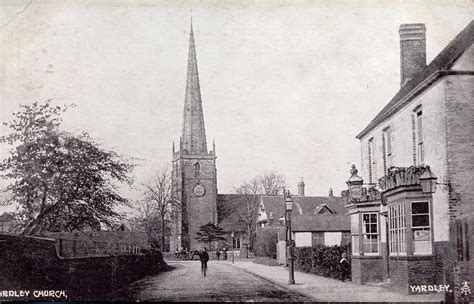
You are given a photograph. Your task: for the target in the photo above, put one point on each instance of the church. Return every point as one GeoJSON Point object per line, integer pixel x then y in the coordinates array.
{"type": "Point", "coordinates": [194, 176]}
{"type": "Point", "coordinates": [194, 171]}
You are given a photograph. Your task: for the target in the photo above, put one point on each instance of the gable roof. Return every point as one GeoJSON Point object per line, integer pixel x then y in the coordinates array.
{"type": "Point", "coordinates": [303, 205]}
{"type": "Point", "coordinates": [321, 222]}
{"type": "Point", "coordinates": [444, 61]}
{"type": "Point", "coordinates": [232, 210]}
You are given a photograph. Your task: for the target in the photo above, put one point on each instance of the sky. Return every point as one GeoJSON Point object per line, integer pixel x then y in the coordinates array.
{"type": "Point", "coordinates": [286, 86]}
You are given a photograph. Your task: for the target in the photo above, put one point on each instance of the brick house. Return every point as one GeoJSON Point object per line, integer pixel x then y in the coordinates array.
{"type": "Point", "coordinates": [399, 232]}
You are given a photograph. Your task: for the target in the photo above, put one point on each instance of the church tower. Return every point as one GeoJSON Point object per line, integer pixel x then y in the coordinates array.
{"type": "Point", "coordinates": [194, 168]}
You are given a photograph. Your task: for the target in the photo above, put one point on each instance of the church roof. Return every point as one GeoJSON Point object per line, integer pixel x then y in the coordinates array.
{"type": "Point", "coordinates": [193, 140]}
{"type": "Point", "coordinates": [444, 61]}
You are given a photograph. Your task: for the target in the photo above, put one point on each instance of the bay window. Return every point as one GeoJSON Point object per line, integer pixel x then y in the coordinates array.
{"type": "Point", "coordinates": [397, 230]}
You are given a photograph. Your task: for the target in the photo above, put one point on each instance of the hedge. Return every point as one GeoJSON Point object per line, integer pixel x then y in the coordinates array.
{"type": "Point", "coordinates": [265, 245]}
{"type": "Point", "coordinates": [321, 260]}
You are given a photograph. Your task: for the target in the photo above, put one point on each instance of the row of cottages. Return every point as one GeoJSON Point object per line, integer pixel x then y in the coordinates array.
{"type": "Point", "coordinates": [316, 220]}
{"type": "Point", "coordinates": [405, 229]}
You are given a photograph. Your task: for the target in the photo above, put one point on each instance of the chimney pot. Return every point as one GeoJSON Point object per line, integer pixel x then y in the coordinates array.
{"type": "Point", "coordinates": [412, 50]}
{"type": "Point", "coordinates": [301, 187]}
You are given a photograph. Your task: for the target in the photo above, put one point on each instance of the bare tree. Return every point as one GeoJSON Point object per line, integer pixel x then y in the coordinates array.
{"type": "Point", "coordinates": [147, 220]}
{"type": "Point", "coordinates": [159, 193]}
{"type": "Point", "coordinates": [251, 193]}
{"type": "Point", "coordinates": [272, 183]}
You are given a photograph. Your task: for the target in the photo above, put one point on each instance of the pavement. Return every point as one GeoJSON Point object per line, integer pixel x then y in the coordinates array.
{"type": "Point", "coordinates": [324, 289]}
{"type": "Point", "coordinates": [223, 283]}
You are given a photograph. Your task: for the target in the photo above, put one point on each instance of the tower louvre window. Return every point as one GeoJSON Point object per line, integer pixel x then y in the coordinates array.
{"type": "Point", "coordinates": [197, 169]}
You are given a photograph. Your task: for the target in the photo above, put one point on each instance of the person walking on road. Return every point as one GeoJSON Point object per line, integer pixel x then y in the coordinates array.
{"type": "Point", "coordinates": [218, 254]}
{"type": "Point", "coordinates": [344, 266]}
{"type": "Point", "coordinates": [204, 257]}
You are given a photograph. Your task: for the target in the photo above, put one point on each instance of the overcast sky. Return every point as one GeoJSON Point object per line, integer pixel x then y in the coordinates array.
{"type": "Point", "coordinates": [285, 86]}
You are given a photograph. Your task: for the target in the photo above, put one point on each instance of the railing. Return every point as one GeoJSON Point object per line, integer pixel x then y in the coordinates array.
{"type": "Point", "coordinates": [83, 248]}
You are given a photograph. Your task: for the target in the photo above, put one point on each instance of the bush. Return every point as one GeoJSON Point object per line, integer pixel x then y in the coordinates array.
{"type": "Point", "coordinates": [265, 246]}
{"type": "Point", "coordinates": [320, 260]}
{"type": "Point", "coordinates": [266, 261]}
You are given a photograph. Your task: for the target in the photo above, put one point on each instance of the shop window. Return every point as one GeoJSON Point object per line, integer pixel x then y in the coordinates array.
{"type": "Point", "coordinates": [370, 236]}
{"type": "Point", "coordinates": [397, 230]}
{"type": "Point", "coordinates": [421, 228]}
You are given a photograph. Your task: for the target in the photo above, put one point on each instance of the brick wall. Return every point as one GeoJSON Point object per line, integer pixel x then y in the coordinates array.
{"type": "Point", "coordinates": [398, 273]}
{"type": "Point", "coordinates": [460, 144]}
{"type": "Point", "coordinates": [366, 269]}
{"type": "Point", "coordinates": [33, 264]}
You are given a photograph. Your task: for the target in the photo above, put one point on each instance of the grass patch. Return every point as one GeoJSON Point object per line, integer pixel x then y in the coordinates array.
{"type": "Point", "coordinates": [266, 261]}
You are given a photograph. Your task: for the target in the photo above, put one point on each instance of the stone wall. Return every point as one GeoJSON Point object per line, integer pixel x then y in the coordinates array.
{"type": "Point", "coordinates": [33, 264]}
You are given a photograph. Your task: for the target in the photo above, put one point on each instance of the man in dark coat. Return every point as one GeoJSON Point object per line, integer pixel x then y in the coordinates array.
{"type": "Point", "coordinates": [204, 257]}
{"type": "Point", "coordinates": [344, 266]}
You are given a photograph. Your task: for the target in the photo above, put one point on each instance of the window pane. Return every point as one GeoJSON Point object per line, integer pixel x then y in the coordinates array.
{"type": "Point", "coordinates": [373, 228]}
{"type": "Point", "coordinates": [420, 207]}
{"type": "Point", "coordinates": [373, 218]}
{"type": "Point", "coordinates": [366, 218]}
{"type": "Point", "coordinates": [420, 220]}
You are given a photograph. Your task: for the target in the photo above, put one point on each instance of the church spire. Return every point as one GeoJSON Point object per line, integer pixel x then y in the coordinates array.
{"type": "Point", "coordinates": [194, 133]}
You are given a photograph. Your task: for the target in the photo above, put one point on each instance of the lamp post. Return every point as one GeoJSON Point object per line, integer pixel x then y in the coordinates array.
{"type": "Point", "coordinates": [289, 209]}
{"type": "Point", "coordinates": [232, 235]}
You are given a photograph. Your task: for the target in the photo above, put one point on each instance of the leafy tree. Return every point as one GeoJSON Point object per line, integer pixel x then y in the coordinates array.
{"type": "Point", "coordinates": [62, 181]}
{"type": "Point", "coordinates": [159, 194]}
{"type": "Point", "coordinates": [209, 233]}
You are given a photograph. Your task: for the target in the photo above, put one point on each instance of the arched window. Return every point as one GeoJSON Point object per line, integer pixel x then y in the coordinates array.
{"type": "Point", "coordinates": [197, 169]}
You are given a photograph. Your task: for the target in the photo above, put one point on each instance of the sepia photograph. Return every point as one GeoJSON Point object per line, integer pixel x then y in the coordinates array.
{"type": "Point", "coordinates": [237, 151]}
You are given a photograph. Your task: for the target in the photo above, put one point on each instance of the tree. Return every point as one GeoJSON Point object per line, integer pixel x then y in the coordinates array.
{"type": "Point", "coordinates": [209, 233]}
{"type": "Point", "coordinates": [159, 193]}
{"type": "Point", "coordinates": [148, 221]}
{"type": "Point", "coordinates": [62, 181]}
{"type": "Point", "coordinates": [270, 183]}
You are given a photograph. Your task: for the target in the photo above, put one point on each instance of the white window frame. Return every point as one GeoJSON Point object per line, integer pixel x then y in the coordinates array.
{"type": "Point", "coordinates": [420, 151]}
{"type": "Point", "coordinates": [397, 226]}
{"type": "Point", "coordinates": [364, 233]}
{"type": "Point", "coordinates": [429, 227]}
{"type": "Point", "coordinates": [371, 156]}
{"type": "Point", "coordinates": [387, 142]}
